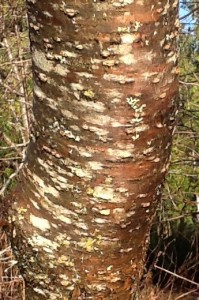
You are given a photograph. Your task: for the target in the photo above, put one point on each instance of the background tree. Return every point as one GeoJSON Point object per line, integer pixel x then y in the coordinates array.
{"type": "Point", "coordinates": [105, 87]}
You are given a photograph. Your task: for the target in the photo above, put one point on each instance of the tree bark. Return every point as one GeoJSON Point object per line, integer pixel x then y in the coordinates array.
{"type": "Point", "coordinates": [105, 100]}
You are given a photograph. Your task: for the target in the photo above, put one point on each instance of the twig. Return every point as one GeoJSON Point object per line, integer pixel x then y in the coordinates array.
{"type": "Point", "coordinates": [10, 89]}
{"type": "Point", "coordinates": [186, 294]}
{"type": "Point", "coordinates": [176, 275]}
{"type": "Point", "coordinates": [13, 175]}
{"type": "Point", "coordinates": [189, 13]}
{"type": "Point", "coordinates": [21, 91]}
{"type": "Point", "coordinates": [15, 62]}
{"type": "Point", "coordinates": [10, 158]}
{"type": "Point", "coordinates": [189, 83]}
{"type": "Point", "coordinates": [14, 146]}
{"type": "Point", "coordinates": [176, 218]}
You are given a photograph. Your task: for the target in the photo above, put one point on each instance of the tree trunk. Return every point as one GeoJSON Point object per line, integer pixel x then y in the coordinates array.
{"type": "Point", "coordinates": [105, 88]}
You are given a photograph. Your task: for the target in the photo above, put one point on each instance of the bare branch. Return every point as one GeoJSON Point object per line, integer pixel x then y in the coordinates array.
{"type": "Point", "coordinates": [176, 275]}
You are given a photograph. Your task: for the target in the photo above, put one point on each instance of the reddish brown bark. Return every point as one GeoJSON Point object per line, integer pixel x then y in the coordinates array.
{"type": "Point", "coordinates": [104, 106]}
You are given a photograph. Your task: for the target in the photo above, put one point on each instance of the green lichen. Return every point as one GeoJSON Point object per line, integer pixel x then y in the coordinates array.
{"type": "Point", "coordinates": [134, 104]}
{"type": "Point", "coordinates": [90, 244]}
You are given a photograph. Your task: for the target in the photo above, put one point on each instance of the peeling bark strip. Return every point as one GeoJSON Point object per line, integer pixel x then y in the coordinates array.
{"type": "Point", "coordinates": [105, 86]}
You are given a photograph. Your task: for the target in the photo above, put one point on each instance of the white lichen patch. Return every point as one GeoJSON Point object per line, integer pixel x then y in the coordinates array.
{"type": "Point", "coordinates": [115, 278]}
{"type": "Point", "coordinates": [95, 165]}
{"type": "Point", "coordinates": [39, 223]}
{"type": "Point", "coordinates": [65, 260]}
{"type": "Point", "coordinates": [61, 182]}
{"type": "Point", "coordinates": [122, 190]}
{"type": "Point", "coordinates": [96, 106]}
{"type": "Point", "coordinates": [97, 130]}
{"type": "Point", "coordinates": [122, 49]}
{"type": "Point", "coordinates": [64, 219]}
{"type": "Point", "coordinates": [147, 75]}
{"type": "Point", "coordinates": [175, 3]}
{"type": "Point", "coordinates": [75, 128]}
{"type": "Point", "coordinates": [39, 59]}
{"type": "Point", "coordinates": [81, 172]}
{"type": "Point", "coordinates": [66, 53]}
{"type": "Point", "coordinates": [140, 128]}
{"type": "Point", "coordinates": [148, 150]}
{"type": "Point", "coordinates": [58, 211]}
{"type": "Point", "coordinates": [40, 241]}
{"type": "Point", "coordinates": [128, 38]}
{"type": "Point", "coordinates": [145, 204]}
{"type": "Point", "coordinates": [97, 287]}
{"type": "Point", "coordinates": [34, 204]}
{"type": "Point", "coordinates": [110, 62]}
{"type": "Point", "coordinates": [65, 282]}
{"type": "Point", "coordinates": [157, 159]}
{"type": "Point", "coordinates": [130, 213]}
{"type": "Point", "coordinates": [114, 95]}
{"type": "Point", "coordinates": [68, 114]}
{"type": "Point", "coordinates": [118, 153]}
{"type": "Point", "coordinates": [41, 95]}
{"type": "Point", "coordinates": [103, 192]}
{"type": "Point", "coordinates": [69, 134]}
{"type": "Point", "coordinates": [116, 123]}
{"type": "Point", "coordinates": [85, 74]}
{"type": "Point", "coordinates": [98, 119]}
{"type": "Point", "coordinates": [84, 152]}
{"type": "Point", "coordinates": [44, 188]}
{"type": "Point", "coordinates": [122, 3]}
{"type": "Point", "coordinates": [76, 87]}
{"type": "Point", "coordinates": [63, 239]}
{"type": "Point", "coordinates": [166, 8]}
{"type": "Point", "coordinates": [136, 120]}
{"type": "Point", "coordinates": [81, 226]}
{"type": "Point", "coordinates": [137, 25]}
{"type": "Point", "coordinates": [43, 77]}
{"type": "Point", "coordinates": [126, 250]}
{"type": "Point", "coordinates": [128, 59]}
{"type": "Point", "coordinates": [124, 29]}
{"type": "Point", "coordinates": [173, 59]}
{"type": "Point", "coordinates": [105, 212]}
{"type": "Point", "coordinates": [38, 92]}
{"type": "Point", "coordinates": [118, 78]}
{"type": "Point", "coordinates": [142, 195]}
{"type": "Point", "coordinates": [61, 70]}
{"type": "Point", "coordinates": [39, 291]}
{"type": "Point", "coordinates": [47, 14]}
{"type": "Point", "coordinates": [136, 136]}
{"type": "Point", "coordinates": [62, 179]}
{"type": "Point", "coordinates": [21, 210]}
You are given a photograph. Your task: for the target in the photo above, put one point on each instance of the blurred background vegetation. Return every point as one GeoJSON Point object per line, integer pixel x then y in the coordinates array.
{"type": "Point", "coordinates": [174, 236]}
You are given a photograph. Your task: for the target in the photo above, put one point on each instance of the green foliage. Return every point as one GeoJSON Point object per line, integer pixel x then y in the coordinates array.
{"type": "Point", "coordinates": [183, 179]}
{"type": "Point", "coordinates": [174, 232]}
{"type": "Point", "coordinates": [15, 86]}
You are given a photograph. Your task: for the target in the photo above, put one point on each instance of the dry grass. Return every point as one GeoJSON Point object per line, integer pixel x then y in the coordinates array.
{"type": "Point", "coordinates": [12, 285]}
{"type": "Point", "coordinates": [15, 90]}
{"type": "Point", "coordinates": [15, 104]}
